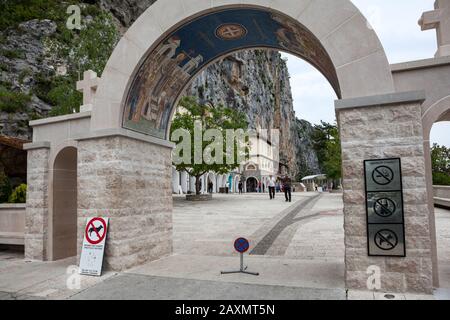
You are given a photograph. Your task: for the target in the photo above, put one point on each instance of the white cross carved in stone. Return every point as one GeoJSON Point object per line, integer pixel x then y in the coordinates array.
{"type": "Point", "coordinates": [88, 86]}
{"type": "Point", "coordinates": [439, 19]}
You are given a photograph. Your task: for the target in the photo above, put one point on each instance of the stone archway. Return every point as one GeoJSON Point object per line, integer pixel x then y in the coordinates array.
{"type": "Point", "coordinates": [251, 185]}
{"type": "Point", "coordinates": [63, 224]}
{"type": "Point", "coordinates": [129, 125]}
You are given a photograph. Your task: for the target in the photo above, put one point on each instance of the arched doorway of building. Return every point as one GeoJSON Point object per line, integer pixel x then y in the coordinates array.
{"type": "Point", "coordinates": [251, 185]}
{"type": "Point", "coordinates": [63, 224]}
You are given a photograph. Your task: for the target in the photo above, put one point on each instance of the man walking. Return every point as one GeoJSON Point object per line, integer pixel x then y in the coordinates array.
{"type": "Point", "coordinates": [272, 184]}
{"type": "Point", "coordinates": [240, 186]}
{"type": "Point", "coordinates": [287, 187]}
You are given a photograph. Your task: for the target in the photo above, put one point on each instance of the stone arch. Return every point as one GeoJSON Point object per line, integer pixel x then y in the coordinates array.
{"type": "Point", "coordinates": [439, 111]}
{"type": "Point", "coordinates": [63, 203]}
{"type": "Point", "coordinates": [356, 54]}
{"type": "Point", "coordinates": [247, 181]}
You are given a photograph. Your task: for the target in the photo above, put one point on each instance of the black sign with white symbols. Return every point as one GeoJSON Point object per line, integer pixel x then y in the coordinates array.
{"type": "Point", "coordinates": [384, 203]}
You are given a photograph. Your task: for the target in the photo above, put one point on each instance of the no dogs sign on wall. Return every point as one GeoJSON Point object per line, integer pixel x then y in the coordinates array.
{"type": "Point", "coordinates": [93, 246]}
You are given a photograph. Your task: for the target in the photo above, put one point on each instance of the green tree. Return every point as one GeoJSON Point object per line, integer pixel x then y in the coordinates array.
{"type": "Point", "coordinates": [333, 158]}
{"type": "Point", "coordinates": [19, 195]}
{"type": "Point", "coordinates": [440, 159]}
{"type": "Point", "coordinates": [327, 144]}
{"type": "Point", "coordinates": [190, 114]}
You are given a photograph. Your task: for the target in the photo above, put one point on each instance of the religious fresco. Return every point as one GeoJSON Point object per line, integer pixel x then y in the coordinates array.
{"type": "Point", "coordinates": [184, 53]}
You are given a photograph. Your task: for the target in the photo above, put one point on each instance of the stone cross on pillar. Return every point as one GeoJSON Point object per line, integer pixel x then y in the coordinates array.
{"type": "Point", "coordinates": [439, 19]}
{"type": "Point", "coordinates": [88, 86]}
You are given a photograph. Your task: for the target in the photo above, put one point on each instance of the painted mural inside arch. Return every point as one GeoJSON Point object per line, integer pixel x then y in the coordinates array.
{"type": "Point", "coordinates": [176, 60]}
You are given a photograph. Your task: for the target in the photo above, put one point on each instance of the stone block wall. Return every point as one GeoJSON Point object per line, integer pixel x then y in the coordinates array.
{"type": "Point", "coordinates": [36, 219]}
{"type": "Point", "coordinates": [380, 132]}
{"type": "Point", "coordinates": [128, 181]}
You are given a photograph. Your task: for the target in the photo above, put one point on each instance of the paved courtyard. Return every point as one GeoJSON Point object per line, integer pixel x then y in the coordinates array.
{"type": "Point", "coordinates": [297, 247]}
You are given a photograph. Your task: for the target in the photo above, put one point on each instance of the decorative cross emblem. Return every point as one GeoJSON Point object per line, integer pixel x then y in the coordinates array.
{"type": "Point", "coordinates": [231, 31]}
{"type": "Point", "coordinates": [88, 86]}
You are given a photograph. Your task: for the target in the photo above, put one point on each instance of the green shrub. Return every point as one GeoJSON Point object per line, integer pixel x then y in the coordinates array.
{"type": "Point", "coordinates": [13, 54]}
{"type": "Point", "coordinates": [12, 102]}
{"type": "Point", "coordinates": [19, 195]}
{"type": "Point", "coordinates": [441, 179]}
{"type": "Point", "coordinates": [5, 188]}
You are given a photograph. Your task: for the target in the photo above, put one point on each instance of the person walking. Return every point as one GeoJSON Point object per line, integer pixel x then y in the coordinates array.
{"type": "Point", "coordinates": [240, 188]}
{"type": "Point", "coordinates": [272, 185]}
{"type": "Point", "coordinates": [287, 187]}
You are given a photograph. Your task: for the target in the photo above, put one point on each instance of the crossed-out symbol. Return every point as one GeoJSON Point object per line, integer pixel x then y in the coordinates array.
{"type": "Point", "coordinates": [383, 175]}
{"type": "Point", "coordinates": [241, 245]}
{"type": "Point", "coordinates": [384, 207]}
{"type": "Point", "coordinates": [99, 230]}
{"type": "Point", "coordinates": [386, 240]}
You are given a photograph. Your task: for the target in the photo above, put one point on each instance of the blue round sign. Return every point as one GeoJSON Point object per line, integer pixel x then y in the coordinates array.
{"type": "Point", "coordinates": [241, 245]}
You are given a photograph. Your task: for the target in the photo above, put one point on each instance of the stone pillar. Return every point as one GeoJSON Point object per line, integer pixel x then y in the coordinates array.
{"type": "Point", "coordinates": [380, 127]}
{"type": "Point", "coordinates": [129, 181]}
{"type": "Point", "coordinates": [36, 220]}
{"type": "Point", "coordinates": [184, 182]}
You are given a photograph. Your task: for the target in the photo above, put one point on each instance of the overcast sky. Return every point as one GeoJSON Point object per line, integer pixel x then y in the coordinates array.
{"type": "Point", "coordinates": [395, 22]}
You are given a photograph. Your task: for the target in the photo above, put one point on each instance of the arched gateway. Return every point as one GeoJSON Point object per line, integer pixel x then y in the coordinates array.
{"type": "Point", "coordinates": [124, 158]}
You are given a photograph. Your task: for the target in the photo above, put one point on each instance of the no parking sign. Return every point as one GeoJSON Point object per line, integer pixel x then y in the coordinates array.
{"type": "Point", "coordinates": [93, 246]}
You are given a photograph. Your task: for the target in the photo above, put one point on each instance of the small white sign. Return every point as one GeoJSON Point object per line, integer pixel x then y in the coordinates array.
{"type": "Point", "coordinates": [93, 246]}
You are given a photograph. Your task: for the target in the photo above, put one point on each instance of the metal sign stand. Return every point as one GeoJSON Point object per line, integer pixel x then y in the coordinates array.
{"type": "Point", "coordinates": [242, 270]}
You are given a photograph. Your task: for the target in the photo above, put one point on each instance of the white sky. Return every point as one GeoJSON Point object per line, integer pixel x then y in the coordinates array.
{"type": "Point", "coordinates": [395, 22]}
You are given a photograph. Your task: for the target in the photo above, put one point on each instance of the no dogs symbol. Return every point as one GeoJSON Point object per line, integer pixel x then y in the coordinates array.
{"type": "Point", "coordinates": [383, 175]}
{"type": "Point", "coordinates": [95, 231]}
{"type": "Point", "coordinates": [386, 240]}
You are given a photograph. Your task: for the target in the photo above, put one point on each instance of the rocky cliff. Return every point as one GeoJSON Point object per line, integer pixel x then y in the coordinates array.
{"type": "Point", "coordinates": [40, 62]}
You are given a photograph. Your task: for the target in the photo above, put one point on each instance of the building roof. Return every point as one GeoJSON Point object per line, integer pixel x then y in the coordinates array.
{"type": "Point", "coordinates": [12, 142]}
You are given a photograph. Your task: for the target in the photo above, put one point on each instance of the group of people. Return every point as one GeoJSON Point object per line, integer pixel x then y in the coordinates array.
{"type": "Point", "coordinates": [285, 186]}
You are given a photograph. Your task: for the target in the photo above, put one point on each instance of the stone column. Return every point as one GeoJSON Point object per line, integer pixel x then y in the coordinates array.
{"type": "Point", "coordinates": [184, 182]}
{"type": "Point", "coordinates": [382, 127]}
{"type": "Point", "coordinates": [129, 181]}
{"type": "Point", "coordinates": [36, 220]}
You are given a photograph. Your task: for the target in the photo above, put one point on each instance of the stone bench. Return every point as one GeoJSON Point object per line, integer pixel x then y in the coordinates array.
{"type": "Point", "coordinates": [442, 203]}
{"type": "Point", "coordinates": [12, 224]}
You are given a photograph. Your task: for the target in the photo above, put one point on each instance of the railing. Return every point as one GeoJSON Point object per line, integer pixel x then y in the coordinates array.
{"type": "Point", "coordinates": [442, 196]}
{"type": "Point", "coordinates": [12, 224]}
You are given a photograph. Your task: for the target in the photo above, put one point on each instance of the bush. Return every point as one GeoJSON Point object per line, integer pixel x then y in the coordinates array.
{"type": "Point", "coordinates": [441, 179]}
{"type": "Point", "coordinates": [5, 188]}
{"type": "Point", "coordinates": [12, 102]}
{"type": "Point", "coordinates": [19, 195]}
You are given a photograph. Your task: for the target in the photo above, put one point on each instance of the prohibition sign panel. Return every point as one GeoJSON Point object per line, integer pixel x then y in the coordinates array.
{"type": "Point", "coordinates": [385, 207]}
{"type": "Point", "coordinates": [92, 251]}
{"type": "Point", "coordinates": [383, 175]}
{"type": "Point", "coordinates": [386, 240]}
{"type": "Point", "coordinates": [96, 229]}
{"type": "Point", "coordinates": [241, 245]}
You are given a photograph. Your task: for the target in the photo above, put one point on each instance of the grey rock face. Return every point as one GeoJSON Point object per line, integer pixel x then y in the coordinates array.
{"type": "Point", "coordinates": [126, 11]}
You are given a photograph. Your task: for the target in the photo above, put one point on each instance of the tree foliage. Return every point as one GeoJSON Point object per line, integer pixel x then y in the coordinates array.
{"type": "Point", "coordinates": [440, 159]}
{"type": "Point", "coordinates": [19, 194]}
{"type": "Point", "coordinates": [218, 117]}
{"type": "Point", "coordinates": [327, 144]}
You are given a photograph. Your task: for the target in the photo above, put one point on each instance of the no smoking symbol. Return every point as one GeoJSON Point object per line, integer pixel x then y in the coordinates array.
{"type": "Point", "coordinates": [386, 240]}
{"type": "Point", "coordinates": [384, 207]}
{"type": "Point", "coordinates": [383, 175]}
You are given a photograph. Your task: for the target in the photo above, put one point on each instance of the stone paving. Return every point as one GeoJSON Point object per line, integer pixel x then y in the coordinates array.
{"type": "Point", "coordinates": [301, 256]}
